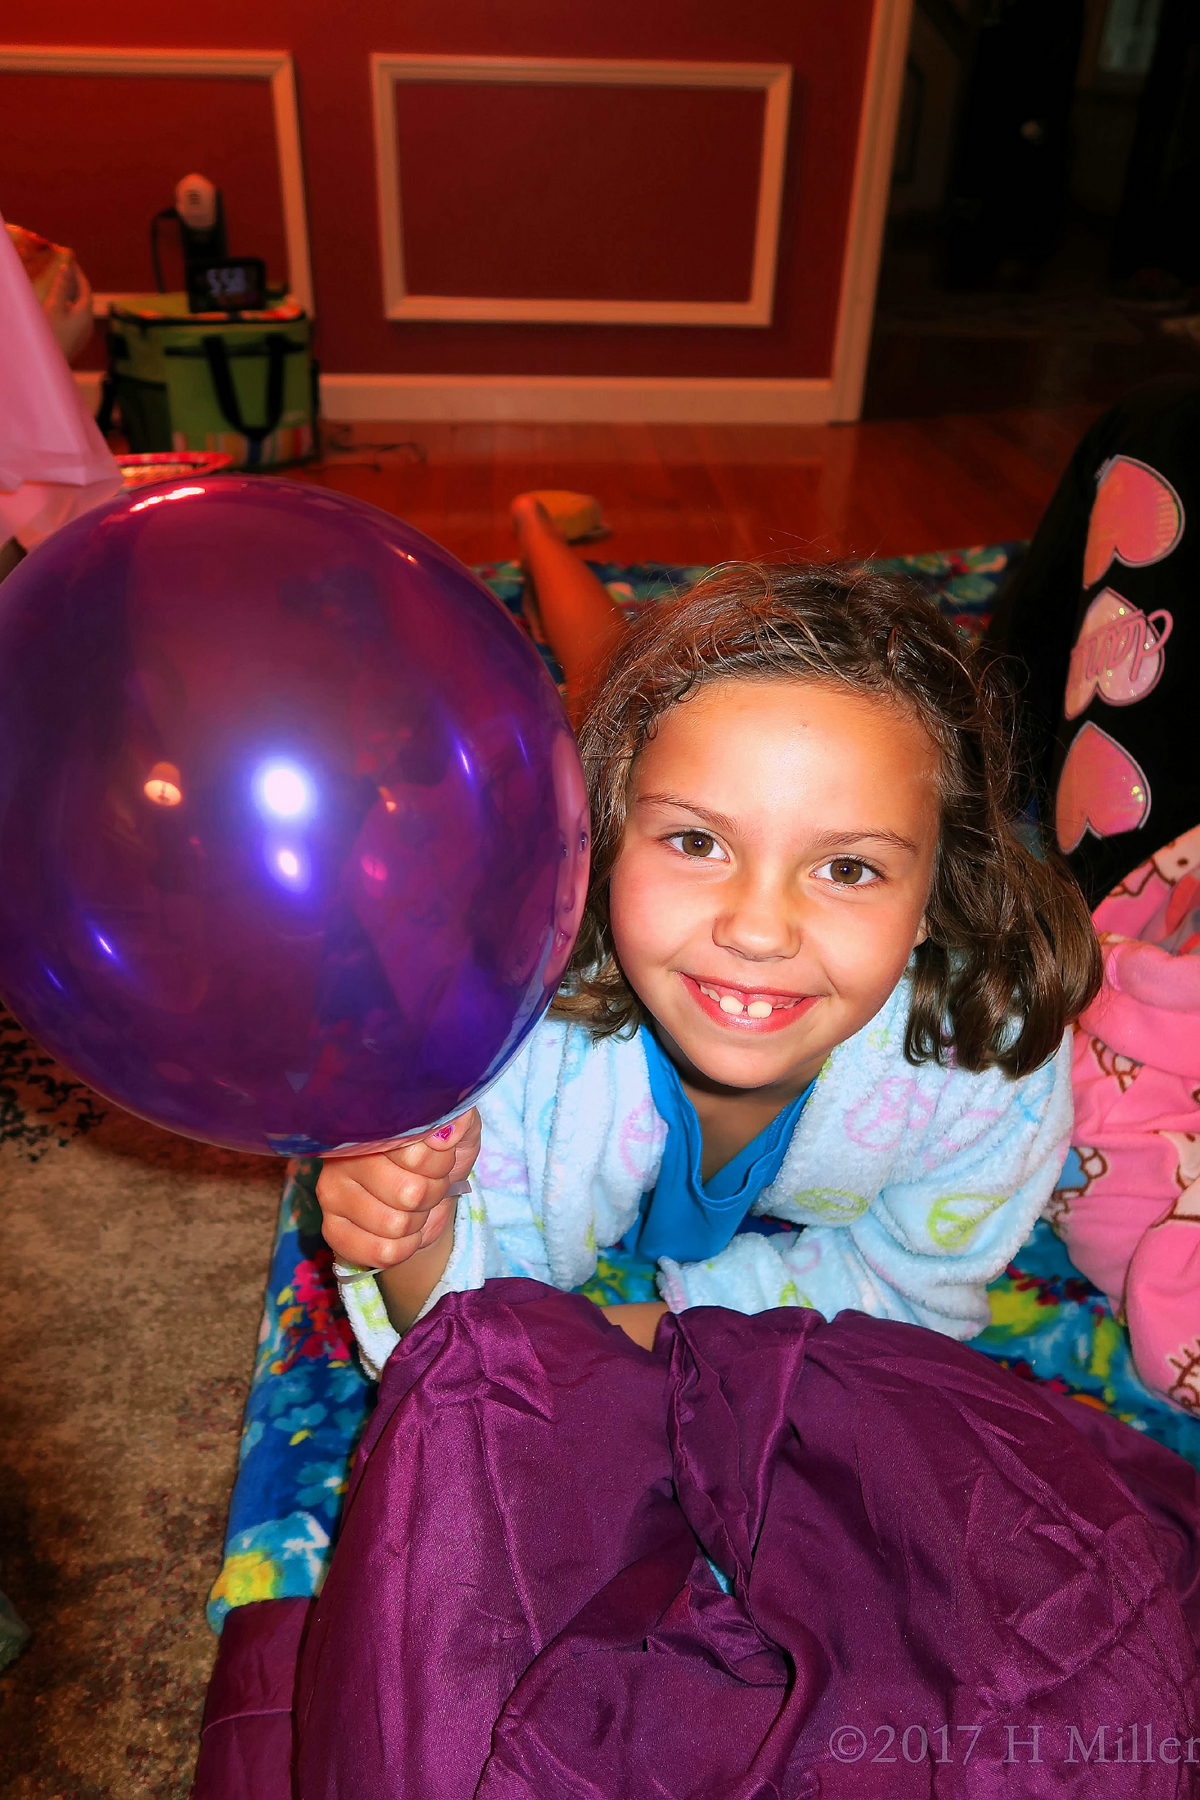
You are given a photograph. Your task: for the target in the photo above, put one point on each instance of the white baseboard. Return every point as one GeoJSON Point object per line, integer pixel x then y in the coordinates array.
{"type": "Point", "coordinates": [575, 399]}
{"type": "Point", "coordinates": [561, 399]}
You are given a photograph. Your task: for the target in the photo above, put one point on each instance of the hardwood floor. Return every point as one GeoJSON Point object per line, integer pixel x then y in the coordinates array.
{"type": "Point", "coordinates": [1062, 337]}
{"type": "Point", "coordinates": [705, 493]}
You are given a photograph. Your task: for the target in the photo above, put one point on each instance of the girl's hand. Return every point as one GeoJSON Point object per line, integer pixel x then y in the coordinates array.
{"type": "Point", "coordinates": [379, 1210]}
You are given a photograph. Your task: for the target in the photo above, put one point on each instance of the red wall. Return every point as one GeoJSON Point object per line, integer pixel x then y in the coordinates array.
{"type": "Point", "coordinates": [88, 161]}
{"type": "Point", "coordinates": [109, 152]}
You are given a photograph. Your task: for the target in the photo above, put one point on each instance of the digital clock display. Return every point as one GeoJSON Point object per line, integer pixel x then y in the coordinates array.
{"type": "Point", "coordinates": [237, 284]}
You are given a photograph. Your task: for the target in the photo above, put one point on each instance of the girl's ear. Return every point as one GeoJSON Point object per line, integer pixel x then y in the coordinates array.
{"type": "Point", "coordinates": [922, 932]}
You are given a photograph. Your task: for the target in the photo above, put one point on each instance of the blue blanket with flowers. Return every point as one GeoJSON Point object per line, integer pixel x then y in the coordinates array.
{"type": "Point", "coordinates": [309, 1399]}
{"type": "Point", "coordinates": [962, 582]}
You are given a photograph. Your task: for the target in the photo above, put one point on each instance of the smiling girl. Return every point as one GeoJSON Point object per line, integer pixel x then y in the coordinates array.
{"type": "Point", "coordinates": [808, 1058]}
{"type": "Point", "coordinates": [810, 1049]}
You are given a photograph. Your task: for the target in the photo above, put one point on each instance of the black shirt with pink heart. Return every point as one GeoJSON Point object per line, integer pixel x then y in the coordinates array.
{"type": "Point", "coordinates": [1104, 615]}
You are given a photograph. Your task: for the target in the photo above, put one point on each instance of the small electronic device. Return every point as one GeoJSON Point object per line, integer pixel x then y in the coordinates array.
{"type": "Point", "coordinates": [199, 215]}
{"type": "Point", "coordinates": [215, 281]}
{"type": "Point", "coordinates": [234, 284]}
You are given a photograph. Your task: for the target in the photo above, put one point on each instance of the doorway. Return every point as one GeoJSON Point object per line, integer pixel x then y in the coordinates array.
{"type": "Point", "coordinates": [1040, 246]}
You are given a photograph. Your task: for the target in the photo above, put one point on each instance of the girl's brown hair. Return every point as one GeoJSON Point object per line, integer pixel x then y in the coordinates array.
{"type": "Point", "coordinates": [1011, 955]}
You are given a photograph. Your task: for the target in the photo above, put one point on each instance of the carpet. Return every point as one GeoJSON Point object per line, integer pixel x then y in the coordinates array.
{"type": "Point", "coordinates": [135, 1264]}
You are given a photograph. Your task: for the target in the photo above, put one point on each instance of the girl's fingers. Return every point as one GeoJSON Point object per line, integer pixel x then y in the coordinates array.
{"type": "Point", "coordinates": [422, 1158]}
{"type": "Point", "coordinates": [466, 1148]}
{"type": "Point", "coordinates": [463, 1130]}
{"type": "Point", "coordinates": [440, 1152]}
{"type": "Point", "coordinates": [354, 1241]}
{"type": "Point", "coordinates": [379, 1209]}
{"type": "Point", "coordinates": [381, 1199]}
{"type": "Point", "coordinates": [436, 1222]}
{"type": "Point", "coordinates": [368, 1213]}
{"type": "Point", "coordinates": [385, 1179]}
{"type": "Point", "coordinates": [350, 1245]}
{"type": "Point", "coordinates": [456, 1132]}
{"type": "Point", "coordinates": [464, 1162]}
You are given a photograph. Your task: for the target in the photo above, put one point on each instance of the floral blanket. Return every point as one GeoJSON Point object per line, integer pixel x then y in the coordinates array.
{"type": "Point", "coordinates": [963, 582]}
{"type": "Point", "coordinates": [309, 1399]}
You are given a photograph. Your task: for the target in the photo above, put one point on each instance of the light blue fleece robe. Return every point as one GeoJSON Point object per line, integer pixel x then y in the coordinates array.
{"type": "Point", "coordinates": [916, 1185]}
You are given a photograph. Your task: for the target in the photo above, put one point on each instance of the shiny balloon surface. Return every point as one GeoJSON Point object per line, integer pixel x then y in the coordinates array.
{"type": "Point", "coordinates": [293, 834]}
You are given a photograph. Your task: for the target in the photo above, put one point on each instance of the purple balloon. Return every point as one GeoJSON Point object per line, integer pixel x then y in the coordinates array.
{"type": "Point", "coordinates": [293, 831]}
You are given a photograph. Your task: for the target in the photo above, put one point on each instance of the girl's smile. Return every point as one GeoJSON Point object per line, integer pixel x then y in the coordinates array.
{"type": "Point", "coordinates": [771, 884]}
{"type": "Point", "coordinates": [756, 1009]}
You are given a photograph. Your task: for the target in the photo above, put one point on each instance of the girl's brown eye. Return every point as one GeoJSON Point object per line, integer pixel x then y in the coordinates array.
{"type": "Point", "coordinates": [696, 843]}
{"type": "Point", "coordinates": [846, 871]}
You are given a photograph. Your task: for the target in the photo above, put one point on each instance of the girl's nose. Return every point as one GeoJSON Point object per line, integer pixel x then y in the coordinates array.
{"type": "Point", "coordinates": [759, 921]}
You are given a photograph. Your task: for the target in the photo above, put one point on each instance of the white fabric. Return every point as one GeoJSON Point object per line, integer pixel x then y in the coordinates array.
{"type": "Point", "coordinates": [54, 464]}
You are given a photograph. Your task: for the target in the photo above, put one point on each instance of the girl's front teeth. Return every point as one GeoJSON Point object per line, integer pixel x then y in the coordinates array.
{"type": "Point", "coordinates": [729, 1003]}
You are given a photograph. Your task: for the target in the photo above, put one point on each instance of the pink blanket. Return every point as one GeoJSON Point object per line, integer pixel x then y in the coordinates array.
{"type": "Point", "coordinates": [1130, 1208]}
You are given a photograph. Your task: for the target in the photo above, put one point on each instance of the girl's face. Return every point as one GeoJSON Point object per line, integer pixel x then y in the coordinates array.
{"type": "Point", "coordinates": [774, 872]}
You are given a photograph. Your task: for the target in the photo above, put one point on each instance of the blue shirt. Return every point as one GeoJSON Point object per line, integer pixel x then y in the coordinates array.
{"type": "Point", "coordinates": [684, 1217]}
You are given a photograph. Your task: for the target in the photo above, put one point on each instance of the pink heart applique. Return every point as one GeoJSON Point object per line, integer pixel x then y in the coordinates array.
{"type": "Point", "coordinates": [1101, 790]}
{"type": "Point", "coordinates": [1136, 516]}
{"type": "Point", "coordinates": [1119, 651]}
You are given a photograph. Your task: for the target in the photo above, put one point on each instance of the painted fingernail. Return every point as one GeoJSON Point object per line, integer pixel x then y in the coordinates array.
{"type": "Point", "coordinates": [445, 1132]}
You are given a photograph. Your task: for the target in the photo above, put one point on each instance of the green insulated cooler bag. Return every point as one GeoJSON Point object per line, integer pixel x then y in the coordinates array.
{"type": "Point", "coordinates": [196, 381]}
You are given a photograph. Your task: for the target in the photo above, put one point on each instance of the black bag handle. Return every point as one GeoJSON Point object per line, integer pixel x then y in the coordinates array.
{"type": "Point", "coordinates": [277, 347]}
{"type": "Point", "coordinates": [168, 212]}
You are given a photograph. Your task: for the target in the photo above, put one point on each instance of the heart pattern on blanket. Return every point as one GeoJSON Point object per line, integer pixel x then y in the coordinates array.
{"type": "Point", "coordinates": [1102, 789]}
{"type": "Point", "coordinates": [1137, 517]}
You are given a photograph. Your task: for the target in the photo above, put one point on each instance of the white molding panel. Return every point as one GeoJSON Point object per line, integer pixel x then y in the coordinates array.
{"type": "Point", "coordinates": [272, 66]}
{"type": "Point", "coordinates": [774, 80]}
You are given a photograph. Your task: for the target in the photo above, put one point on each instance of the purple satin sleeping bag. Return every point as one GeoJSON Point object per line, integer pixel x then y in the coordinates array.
{"type": "Point", "coordinates": [944, 1581]}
